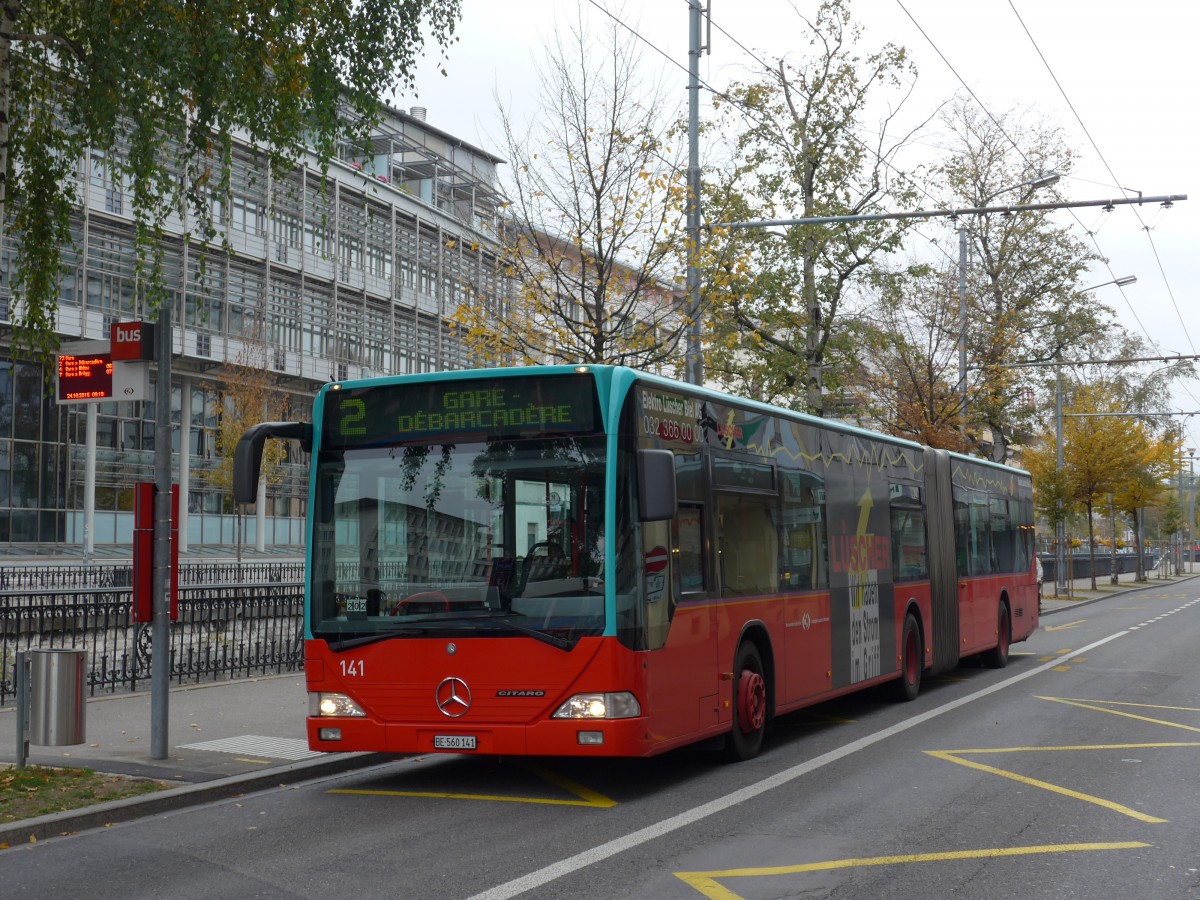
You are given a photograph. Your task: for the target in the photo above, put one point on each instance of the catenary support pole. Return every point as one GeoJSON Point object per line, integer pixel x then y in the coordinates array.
{"type": "Point", "coordinates": [694, 359]}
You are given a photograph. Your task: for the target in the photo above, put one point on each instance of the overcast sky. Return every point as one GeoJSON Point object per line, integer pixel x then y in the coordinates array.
{"type": "Point", "coordinates": [1120, 78]}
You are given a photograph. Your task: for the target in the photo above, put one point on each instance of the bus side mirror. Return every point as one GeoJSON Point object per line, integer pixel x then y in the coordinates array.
{"type": "Point", "coordinates": [247, 455]}
{"type": "Point", "coordinates": [657, 499]}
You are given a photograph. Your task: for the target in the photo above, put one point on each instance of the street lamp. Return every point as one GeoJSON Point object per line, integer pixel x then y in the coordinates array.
{"type": "Point", "coordinates": [1060, 528]}
{"type": "Point", "coordinates": [1123, 281]}
{"type": "Point", "coordinates": [1040, 181]}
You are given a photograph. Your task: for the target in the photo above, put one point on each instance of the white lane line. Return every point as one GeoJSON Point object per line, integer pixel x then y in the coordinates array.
{"type": "Point", "coordinates": [688, 817]}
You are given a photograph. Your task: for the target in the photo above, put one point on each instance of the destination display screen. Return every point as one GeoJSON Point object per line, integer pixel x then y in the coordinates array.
{"type": "Point", "coordinates": [379, 415]}
{"type": "Point", "coordinates": [84, 377]}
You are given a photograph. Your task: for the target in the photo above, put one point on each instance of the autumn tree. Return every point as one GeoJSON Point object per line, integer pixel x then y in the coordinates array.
{"type": "Point", "coordinates": [154, 91]}
{"type": "Point", "coordinates": [591, 241]}
{"type": "Point", "coordinates": [1144, 485]}
{"type": "Point", "coordinates": [1100, 449]}
{"type": "Point", "coordinates": [1023, 299]}
{"type": "Point", "coordinates": [907, 385]}
{"type": "Point", "coordinates": [249, 394]}
{"type": "Point", "coordinates": [799, 154]}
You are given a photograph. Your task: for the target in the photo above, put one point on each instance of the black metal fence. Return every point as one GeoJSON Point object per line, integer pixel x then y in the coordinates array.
{"type": "Point", "coordinates": [235, 620]}
{"type": "Point", "coordinates": [1080, 566]}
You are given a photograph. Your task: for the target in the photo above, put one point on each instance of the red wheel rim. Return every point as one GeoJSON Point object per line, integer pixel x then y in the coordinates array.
{"type": "Point", "coordinates": [751, 701]}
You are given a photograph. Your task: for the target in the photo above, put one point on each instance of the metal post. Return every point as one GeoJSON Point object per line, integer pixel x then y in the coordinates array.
{"type": "Point", "coordinates": [694, 358]}
{"type": "Point", "coordinates": [1112, 525]}
{"type": "Point", "coordinates": [89, 483]}
{"type": "Point", "coordinates": [1179, 534]}
{"type": "Point", "coordinates": [1192, 511]}
{"type": "Point", "coordinates": [962, 324]}
{"type": "Point", "coordinates": [185, 459]}
{"type": "Point", "coordinates": [22, 676]}
{"type": "Point", "coordinates": [1141, 542]}
{"type": "Point", "coordinates": [260, 517]}
{"type": "Point", "coordinates": [160, 632]}
{"type": "Point", "coordinates": [1060, 568]}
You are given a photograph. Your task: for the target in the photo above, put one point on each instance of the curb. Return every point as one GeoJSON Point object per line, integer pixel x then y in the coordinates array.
{"type": "Point", "coordinates": [117, 811]}
{"type": "Point", "coordinates": [1132, 589]}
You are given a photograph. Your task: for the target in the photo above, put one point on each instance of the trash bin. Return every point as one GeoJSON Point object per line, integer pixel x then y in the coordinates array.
{"type": "Point", "coordinates": [56, 695]}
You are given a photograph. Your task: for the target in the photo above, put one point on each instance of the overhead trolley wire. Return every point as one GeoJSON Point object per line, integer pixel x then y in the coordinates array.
{"type": "Point", "coordinates": [1108, 168]}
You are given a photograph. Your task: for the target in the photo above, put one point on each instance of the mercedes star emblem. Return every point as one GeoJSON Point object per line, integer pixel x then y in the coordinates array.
{"type": "Point", "coordinates": [453, 697]}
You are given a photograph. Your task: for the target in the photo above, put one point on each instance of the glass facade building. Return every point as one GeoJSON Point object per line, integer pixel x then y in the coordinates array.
{"type": "Point", "coordinates": [351, 273]}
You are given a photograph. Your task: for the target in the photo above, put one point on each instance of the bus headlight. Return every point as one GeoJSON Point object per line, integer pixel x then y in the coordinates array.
{"type": "Point", "coordinates": [621, 705]}
{"type": "Point", "coordinates": [332, 705]}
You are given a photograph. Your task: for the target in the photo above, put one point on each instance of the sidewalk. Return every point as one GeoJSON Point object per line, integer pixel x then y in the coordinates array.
{"type": "Point", "coordinates": [223, 739]}
{"type": "Point", "coordinates": [1081, 594]}
{"type": "Point", "coordinates": [235, 737]}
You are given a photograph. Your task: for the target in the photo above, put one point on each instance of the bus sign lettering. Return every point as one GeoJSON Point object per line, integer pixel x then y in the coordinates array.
{"type": "Point", "coordinates": [380, 415]}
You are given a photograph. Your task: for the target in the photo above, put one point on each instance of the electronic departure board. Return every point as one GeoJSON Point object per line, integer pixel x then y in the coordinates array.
{"type": "Point", "coordinates": [379, 415]}
{"type": "Point", "coordinates": [84, 376]}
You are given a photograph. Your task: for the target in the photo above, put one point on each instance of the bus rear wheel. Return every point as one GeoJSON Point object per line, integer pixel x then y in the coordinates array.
{"type": "Point", "coordinates": [997, 657]}
{"type": "Point", "coordinates": [911, 662]}
{"type": "Point", "coordinates": [749, 705]}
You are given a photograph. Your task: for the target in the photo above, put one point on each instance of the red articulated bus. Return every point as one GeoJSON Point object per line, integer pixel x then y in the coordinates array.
{"type": "Point", "coordinates": [596, 561]}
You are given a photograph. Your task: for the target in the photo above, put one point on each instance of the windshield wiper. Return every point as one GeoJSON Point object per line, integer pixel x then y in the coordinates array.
{"type": "Point", "coordinates": [552, 640]}
{"type": "Point", "coordinates": [363, 640]}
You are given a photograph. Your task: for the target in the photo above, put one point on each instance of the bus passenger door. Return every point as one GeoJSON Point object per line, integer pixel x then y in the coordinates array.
{"type": "Point", "coordinates": [681, 665]}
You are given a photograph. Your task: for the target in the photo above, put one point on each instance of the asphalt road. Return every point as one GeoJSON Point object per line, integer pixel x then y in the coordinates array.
{"type": "Point", "coordinates": [1069, 774]}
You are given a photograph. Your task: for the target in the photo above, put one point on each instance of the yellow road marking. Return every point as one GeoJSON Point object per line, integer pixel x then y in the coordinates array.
{"type": "Point", "coordinates": [591, 797]}
{"type": "Point", "coordinates": [1074, 748]}
{"type": "Point", "coordinates": [1082, 704]}
{"type": "Point", "coordinates": [1064, 627]}
{"type": "Point", "coordinates": [1194, 709]}
{"type": "Point", "coordinates": [706, 882]}
{"type": "Point", "coordinates": [587, 797]}
{"type": "Point", "coordinates": [265, 762]}
{"type": "Point", "coordinates": [953, 756]}
{"type": "Point", "coordinates": [1061, 669]}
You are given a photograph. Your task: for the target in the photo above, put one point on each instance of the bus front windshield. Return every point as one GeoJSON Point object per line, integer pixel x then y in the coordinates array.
{"type": "Point", "coordinates": [496, 538]}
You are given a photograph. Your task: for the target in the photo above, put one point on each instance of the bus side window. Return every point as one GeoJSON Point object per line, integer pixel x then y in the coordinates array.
{"type": "Point", "coordinates": [749, 545]}
{"type": "Point", "coordinates": [659, 601]}
{"type": "Point", "coordinates": [803, 553]}
{"type": "Point", "coordinates": [1004, 536]}
{"type": "Point", "coordinates": [909, 552]}
{"type": "Point", "coordinates": [688, 555]}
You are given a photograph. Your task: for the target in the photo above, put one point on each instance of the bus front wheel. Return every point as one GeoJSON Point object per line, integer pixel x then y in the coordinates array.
{"type": "Point", "coordinates": [749, 705]}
